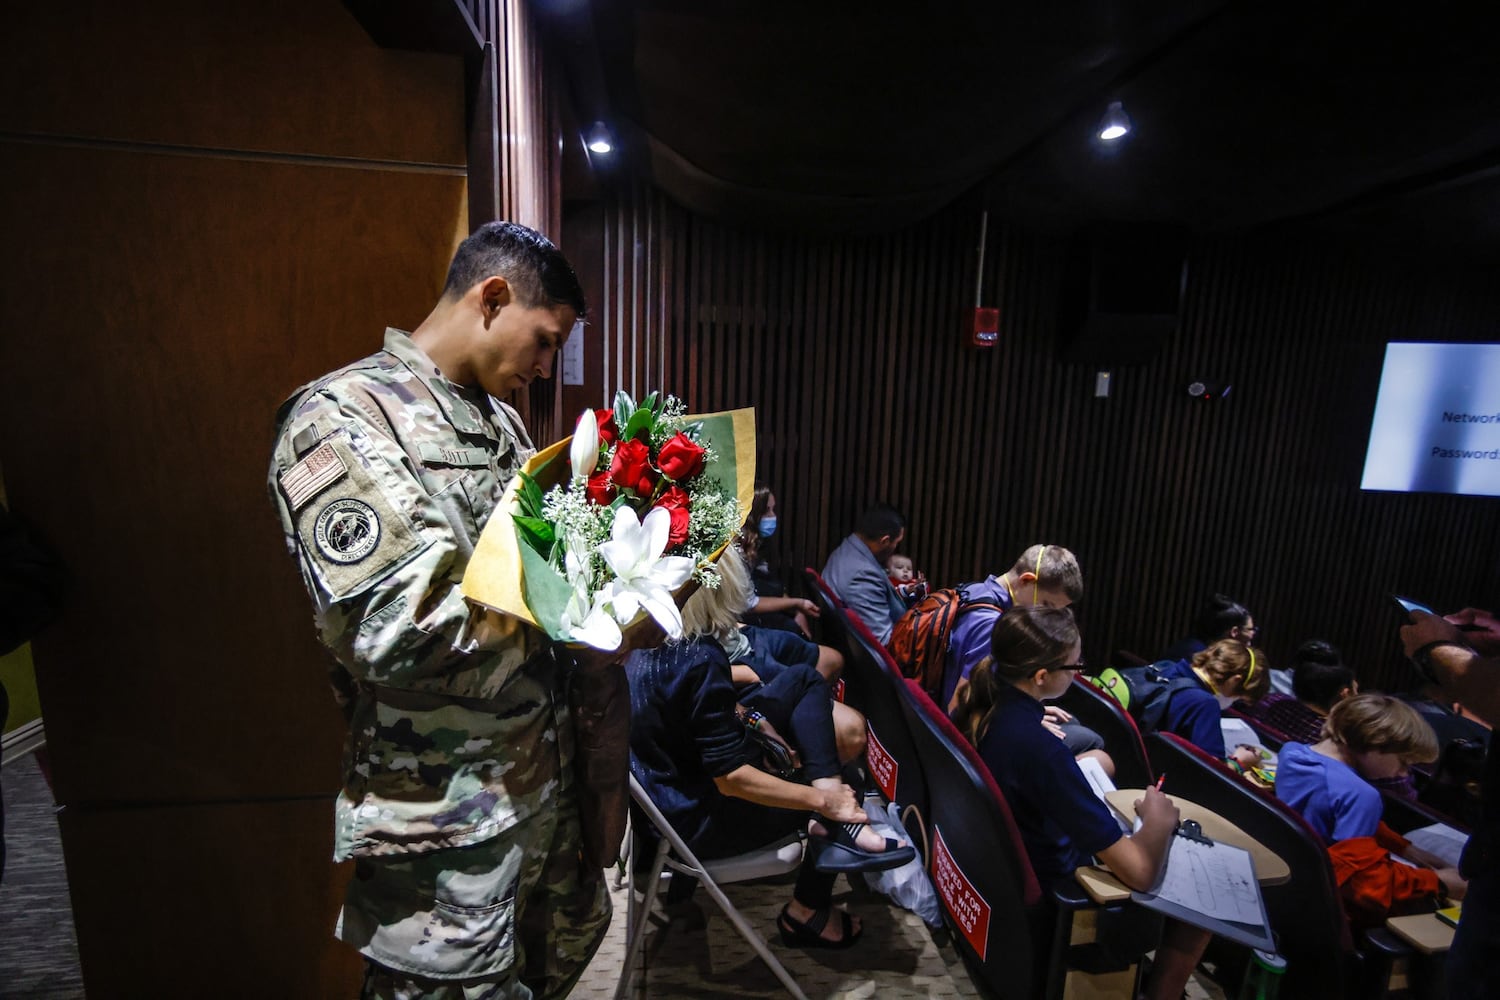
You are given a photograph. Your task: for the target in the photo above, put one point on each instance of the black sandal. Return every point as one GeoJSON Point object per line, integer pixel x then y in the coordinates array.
{"type": "Point", "coordinates": [796, 934]}
{"type": "Point", "coordinates": [840, 851]}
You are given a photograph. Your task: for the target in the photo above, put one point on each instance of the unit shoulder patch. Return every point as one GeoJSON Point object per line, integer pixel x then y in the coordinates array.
{"type": "Point", "coordinates": [356, 534]}
{"type": "Point", "coordinates": [347, 530]}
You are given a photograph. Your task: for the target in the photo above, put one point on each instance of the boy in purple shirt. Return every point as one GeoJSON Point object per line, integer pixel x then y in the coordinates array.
{"type": "Point", "coordinates": [1046, 575]}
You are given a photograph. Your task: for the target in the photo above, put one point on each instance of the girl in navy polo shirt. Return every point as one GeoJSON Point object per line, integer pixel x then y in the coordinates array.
{"type": "Point", "coordinates": [1033, 655]}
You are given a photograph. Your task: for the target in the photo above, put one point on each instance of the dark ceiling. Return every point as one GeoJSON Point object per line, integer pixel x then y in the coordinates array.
{"type": "Point", "coordinates": [1379, 121]}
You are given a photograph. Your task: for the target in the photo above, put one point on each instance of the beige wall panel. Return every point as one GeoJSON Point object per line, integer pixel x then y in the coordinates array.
{"type": "Point", "coordinates": [285, 76]}
{"type": "Point", "coordinates": [215, 901]}
{"type": "Point", "coordinates": [156, 310]}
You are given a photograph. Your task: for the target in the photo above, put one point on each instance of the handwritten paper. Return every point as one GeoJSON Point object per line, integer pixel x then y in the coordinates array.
{"type": "Point", "coordinates": [1216, 880]}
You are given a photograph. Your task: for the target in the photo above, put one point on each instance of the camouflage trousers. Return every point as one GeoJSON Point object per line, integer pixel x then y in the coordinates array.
{"type": "Point", "coordinates": [516, 917]}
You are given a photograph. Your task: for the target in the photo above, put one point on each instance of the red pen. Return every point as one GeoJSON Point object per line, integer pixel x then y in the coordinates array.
{"type": "Point", "coordinates": [1160, 780]}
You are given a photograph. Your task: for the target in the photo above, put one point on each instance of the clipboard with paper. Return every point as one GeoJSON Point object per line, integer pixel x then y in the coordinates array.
{"type": "Point", "coordinates": [1213, 886]}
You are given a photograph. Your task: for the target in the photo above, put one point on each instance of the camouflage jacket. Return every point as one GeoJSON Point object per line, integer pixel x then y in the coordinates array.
{"type": "Point", "coordinates": [383, 474]}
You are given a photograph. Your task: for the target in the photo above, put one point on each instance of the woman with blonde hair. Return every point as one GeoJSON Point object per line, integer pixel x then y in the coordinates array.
{"type": "Point", "coordinates": [692, 749]}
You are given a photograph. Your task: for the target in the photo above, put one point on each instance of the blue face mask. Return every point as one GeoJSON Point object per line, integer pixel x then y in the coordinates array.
{"type": "Point", "coordinates": [767, 526]}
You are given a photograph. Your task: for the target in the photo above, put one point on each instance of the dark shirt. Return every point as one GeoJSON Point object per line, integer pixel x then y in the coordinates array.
{"type": "Point", "coordinates": [1062, 822]}
{"type": "Point", "coordinates": [1193, 713]}
{"type": "Point", "coordinates": [1295, 721]}
{"type": "Point", "coordinates": [683, 729]}
{"type": "Point", "coordinates": [1183, 649]}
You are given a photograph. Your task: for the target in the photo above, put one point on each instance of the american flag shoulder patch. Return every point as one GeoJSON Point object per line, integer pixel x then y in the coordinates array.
{"type": "Point", "coordinates": [312, 475]}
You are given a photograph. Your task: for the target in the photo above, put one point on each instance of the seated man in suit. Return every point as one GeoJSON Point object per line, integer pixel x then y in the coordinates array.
{"type": "Point", "coordinates": [856, 569]}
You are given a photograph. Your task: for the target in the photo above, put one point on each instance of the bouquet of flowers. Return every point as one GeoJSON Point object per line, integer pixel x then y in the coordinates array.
{"type": "Point", "coordinates": [604, 527]}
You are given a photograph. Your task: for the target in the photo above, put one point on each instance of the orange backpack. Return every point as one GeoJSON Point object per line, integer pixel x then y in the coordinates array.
{"type": "Point", "coordinates": [919, 639]}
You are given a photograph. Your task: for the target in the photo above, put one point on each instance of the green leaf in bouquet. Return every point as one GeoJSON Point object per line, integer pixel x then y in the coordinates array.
{"type": "Point", "coordinates": [547, 591]}
{"type": "Point", "coordinates": [537, 533]}
{"type": "Point", "coordinates": [624, 409]}
{"type": "Point", "coordinates": [530, 497]}
{"type": "Point", "coordinates": [694, 430]}
{"type": "Point", "coordinates": [651, 403]}
{"type": "Point", "coordinates": [640, 420]}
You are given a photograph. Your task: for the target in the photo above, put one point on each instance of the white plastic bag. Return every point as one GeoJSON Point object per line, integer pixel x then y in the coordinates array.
{"type": "Point", "coordinates": [909, 885]}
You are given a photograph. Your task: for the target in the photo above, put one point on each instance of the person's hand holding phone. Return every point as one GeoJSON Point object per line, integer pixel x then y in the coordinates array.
{"type": "Point", "coordinates": [1480, 628]}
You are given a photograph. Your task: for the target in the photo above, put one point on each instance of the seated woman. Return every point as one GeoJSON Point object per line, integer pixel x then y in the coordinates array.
{"type": "Point", "coordinates": [1221, 618]}
{"type": "Point", "coordinates": [1366, 737]}
{"type": "Point", "coordinates": [1034, 653]}
{"type": "Point", "coordinates": [770, 607]}
{"type": "Point", "coordinates": [694, 756]}
{"type": "Point", "coordinates": [776, 627]}
{"type": "Point", "coordinates": [1214, 679]}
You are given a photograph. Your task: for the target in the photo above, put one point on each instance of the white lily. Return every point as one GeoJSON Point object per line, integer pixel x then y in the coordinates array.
{"type": "Point", "coordinates": [585, 448]}
{"type": "Point", "coordinates": [586, 617]}
{"type": "Point", "coordinates": [590, 622]}
{"type": "Point", "coordinates": [643, 577]}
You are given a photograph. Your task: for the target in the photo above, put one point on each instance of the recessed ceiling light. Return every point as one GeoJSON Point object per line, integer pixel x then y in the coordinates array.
{"type": "Point", "coordinates": [599, 140]}
{"type": "Point", "coordinates": [1115, 123]}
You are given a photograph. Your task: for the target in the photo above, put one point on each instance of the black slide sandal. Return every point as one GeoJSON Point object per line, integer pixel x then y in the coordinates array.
{"type": "Point", "coordinates": [796, 934]}
{"type": "Point", "coordinates": [839, 852]}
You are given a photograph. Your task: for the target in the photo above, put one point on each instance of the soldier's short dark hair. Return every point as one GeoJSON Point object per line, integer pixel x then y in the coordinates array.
{"type": "Point", "coordinates": [536, 270]}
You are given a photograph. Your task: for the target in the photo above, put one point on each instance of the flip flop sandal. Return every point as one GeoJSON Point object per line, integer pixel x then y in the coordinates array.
{"type": "Point", "coordinates": [796, 934]}
{"type": "Point", "coordinates": [840, 851]}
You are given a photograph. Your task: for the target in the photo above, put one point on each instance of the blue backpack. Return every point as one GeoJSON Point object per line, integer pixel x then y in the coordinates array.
{"type": "Point", "coordinates": [1142, 691]}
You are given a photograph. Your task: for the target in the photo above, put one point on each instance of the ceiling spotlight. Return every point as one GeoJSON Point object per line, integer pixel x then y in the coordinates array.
{"type": "Point", "coordinates": [1115, 123]}
{"type": "Point", "coordinates": [599, 140]}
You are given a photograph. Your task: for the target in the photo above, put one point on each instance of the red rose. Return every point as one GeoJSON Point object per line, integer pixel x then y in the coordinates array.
{"type": "Point", "coordinates": [608, 432]}
{"type": "Point", "coordinates": [680, 458]}
{"type": "Point", "coordinates": [631, 470]}
{"type": "Point", "coordinates": [599, 489]}
{"type": "Point", "coordinates": [674, 500]}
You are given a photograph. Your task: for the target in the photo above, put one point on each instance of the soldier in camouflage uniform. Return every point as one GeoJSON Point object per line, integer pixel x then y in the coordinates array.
{"type": "Point", "coordinates": [458, 804]}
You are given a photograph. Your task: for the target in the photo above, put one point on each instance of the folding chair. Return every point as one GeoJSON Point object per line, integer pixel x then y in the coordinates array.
{"type": "Point", "coordinates": [673, 853]}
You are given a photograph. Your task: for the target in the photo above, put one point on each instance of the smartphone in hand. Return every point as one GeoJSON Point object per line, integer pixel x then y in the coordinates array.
{"type": "Point", "coordinates": [1408, 605]}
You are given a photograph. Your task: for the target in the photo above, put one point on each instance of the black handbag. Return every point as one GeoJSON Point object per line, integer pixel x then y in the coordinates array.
{"type": "Point", "coordinates": [776, 756]}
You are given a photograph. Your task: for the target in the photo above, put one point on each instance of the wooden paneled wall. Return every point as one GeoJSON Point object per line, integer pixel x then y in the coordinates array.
{"type": "Point", "coordinates": [207, 205]}
{"type": "Point", "coordinates": [528, 156]}
{"type": "Point", "coordinates": [853, 355]}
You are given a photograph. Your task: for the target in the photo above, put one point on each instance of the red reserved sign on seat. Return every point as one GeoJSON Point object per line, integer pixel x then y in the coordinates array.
{"type": "Point", "coordinates": [883, 766]}
{"type": "Point", "coordinates": [967, 907]}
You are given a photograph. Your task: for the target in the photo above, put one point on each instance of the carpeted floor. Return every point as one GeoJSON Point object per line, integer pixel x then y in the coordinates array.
{"type": "Point", "coordinates": [38, 952]}
{"type": "Point", "coordinates": [690, 958]}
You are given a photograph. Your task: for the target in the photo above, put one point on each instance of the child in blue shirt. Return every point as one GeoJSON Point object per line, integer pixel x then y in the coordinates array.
{"type": "Point", "coordinates": [1366, 737]}
{"type": "Point", "coordinates": [1034, 654]}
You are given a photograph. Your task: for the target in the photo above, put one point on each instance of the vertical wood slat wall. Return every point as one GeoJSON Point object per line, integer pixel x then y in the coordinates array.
{"type": "Point", "coordinates": [530, 151]}
{"type": "Point", "coordinates": [852, 353]}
